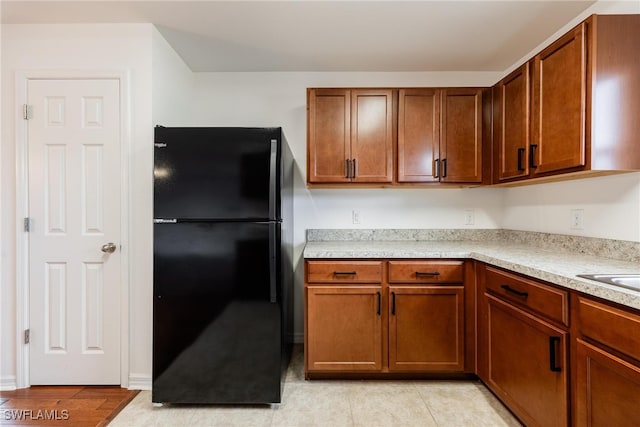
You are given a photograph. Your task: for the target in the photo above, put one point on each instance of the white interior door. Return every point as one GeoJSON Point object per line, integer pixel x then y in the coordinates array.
{"type": "Point", "coordinates": [74, 205]}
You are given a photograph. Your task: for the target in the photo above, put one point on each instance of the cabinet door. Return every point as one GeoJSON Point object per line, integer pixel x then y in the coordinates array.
{"type": "Point", "coordinates": [426, 328]}
{"type": "Point", "coordinates": [559, 105]}
{"type": "Point", "coordinates": [607, 388]}
{"type": "Point", "coordinates": [528, 367]}
{"type": "Point", "coordinates": [418, 134]}
{"type": "Point", "coordinates": [511, 125]}
{"type": "Point", "coordinates": [372, 135]}
{"type": "Point", "coordinates": [329, 135]}
{"type": "Point", "coordinates": [461, 136]}
{"type": "Point", "coordinates": [344, 328]}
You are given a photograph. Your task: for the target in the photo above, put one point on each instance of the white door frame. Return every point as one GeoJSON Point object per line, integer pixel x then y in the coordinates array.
{"type": "Point", "coordinates": [22, 211]}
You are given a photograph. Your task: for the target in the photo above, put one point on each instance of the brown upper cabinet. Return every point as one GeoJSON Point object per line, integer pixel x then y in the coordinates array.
{"type": "Point", "coordinates": [511, 125]}
{"type": "Point", "coordinates": [460, 157]}
{"type": "Point", "coordinates": [418, 134]}
{"type": "Point", "coordinates": [559, 105]}
{"type": "Point", "coordinates": [350, 135]}
{"type": "Point", "coordinates": [440, 135]}
{"type": "Point", "coordinates": [581, 112]}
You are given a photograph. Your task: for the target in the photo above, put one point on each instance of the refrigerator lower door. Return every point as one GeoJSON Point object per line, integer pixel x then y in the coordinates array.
{"type": "Point", "coordinates": [216, 325]}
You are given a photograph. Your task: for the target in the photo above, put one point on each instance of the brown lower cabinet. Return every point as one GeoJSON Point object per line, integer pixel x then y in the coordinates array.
{"type": "Point", "coordinates": [412, 317]}
{"type": "Point", "coordinates": [426, 329]}
{"type": "Point", "coordinates": [523, 346]}
{"type": "Point", "coordinates": [387, 317]}
{"type": "Point", "coordinates": [607, 364]}
{"type": "Point", "coordinates": [344, 328]}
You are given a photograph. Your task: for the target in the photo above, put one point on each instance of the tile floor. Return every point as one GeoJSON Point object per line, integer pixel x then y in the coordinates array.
{"type": "Point", "coordinates": [338, 403]}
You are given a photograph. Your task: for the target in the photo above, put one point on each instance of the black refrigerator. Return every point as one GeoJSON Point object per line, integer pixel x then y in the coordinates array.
{"type": "Point", "coordinates": [222, 265]}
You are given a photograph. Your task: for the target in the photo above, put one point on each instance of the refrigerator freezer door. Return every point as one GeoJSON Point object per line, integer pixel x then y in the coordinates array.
{"type": "Point", "coordinates": [216, 173]}
{"type": "Point", "coordinates": [217, 333]}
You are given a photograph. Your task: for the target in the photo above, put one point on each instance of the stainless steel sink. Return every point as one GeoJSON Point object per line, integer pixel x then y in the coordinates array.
{"type": "Point", "coordinates": [630, 281]}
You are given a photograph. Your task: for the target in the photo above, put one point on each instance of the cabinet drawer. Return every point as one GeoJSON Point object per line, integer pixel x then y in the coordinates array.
{"type": "Point", "coordinates": [344, 271]}
{"type": "Point", "coordinates": [540, 298]}
{"type": "Point", "coordinates": [610, 326]}
{"type": "Point", "coordinates": [426, 271]}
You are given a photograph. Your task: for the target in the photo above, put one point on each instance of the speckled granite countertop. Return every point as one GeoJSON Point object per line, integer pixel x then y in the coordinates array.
{"type": "Point", "coordinates": [552, 264]}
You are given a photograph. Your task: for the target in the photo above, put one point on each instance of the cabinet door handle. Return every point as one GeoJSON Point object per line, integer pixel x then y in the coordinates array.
{"type": "Point", "coordinates": [347, 168]}
{"type": "Point", "coordinates": [515, 291]}
{"type": "Point", "coordinates": [354, 169]}
{"type": "Point", "coordinates": [427, 273]}
{"type": "Point", "coordinates": [444, 168]}
{"type": "Point", "coordinates": [437, 168]}
{"type": "Point", "coordinates": [553, 343]}
{"type": "Point", "coordinates": [532, 152]}
{"type": "Point", "coordinates": [393, 303]}
{"type": "Point", "coordinates": [379, 303]}
{"type": "Point", "coordinates": [344, 273]}
{"type": "Point", "coordinates": [520, 155]}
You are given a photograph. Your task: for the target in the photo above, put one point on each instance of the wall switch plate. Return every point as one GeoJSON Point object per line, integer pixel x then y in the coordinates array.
{"type": "Point", "coordinates": [469, 217]}
{"type": "Point", "coordinates": [577, 219]}
{"type": "Point", "coordinates": [355, 216]}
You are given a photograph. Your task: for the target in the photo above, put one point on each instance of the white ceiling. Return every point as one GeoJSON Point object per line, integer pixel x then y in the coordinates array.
{"type": "Point", "coordinates": [327, 35]}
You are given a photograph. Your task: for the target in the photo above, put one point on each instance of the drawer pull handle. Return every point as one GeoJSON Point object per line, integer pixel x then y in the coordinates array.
{"type": "Point", "coordinates": [379, 303]}
{"type": "Point", "coordinates": [553, 342]}
{"type": "Point", "coordinates": [427, 273]}
{"type": "Point", "coordinates": [393, 303]}
{"type": "Point", "coordinates": [515, 291]}
{"type": "Point", "coordinates": [344, 273]}
{"type": "Point", "coordinates": [532, 159]}
{"type": "Point", "coordinates": [520, 156]}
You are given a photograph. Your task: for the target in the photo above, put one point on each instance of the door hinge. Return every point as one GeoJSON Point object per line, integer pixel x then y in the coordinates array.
{"type": "Point", "coordinates": [27, 111]}
{"type": "Point", "coordinates": [27, 225]}
{"type": "Point", "coordinates": [27, 336]}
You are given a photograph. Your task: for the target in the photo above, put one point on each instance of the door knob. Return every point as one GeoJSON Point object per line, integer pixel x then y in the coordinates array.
{"type": "Point", "coordinates": [109, 248]}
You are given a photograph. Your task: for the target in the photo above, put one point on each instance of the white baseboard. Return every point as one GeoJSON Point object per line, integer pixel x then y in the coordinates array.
{"type": "Point", "coordinates": [139, 382]}
{"type": "Point", "coordinates": [8, 383]}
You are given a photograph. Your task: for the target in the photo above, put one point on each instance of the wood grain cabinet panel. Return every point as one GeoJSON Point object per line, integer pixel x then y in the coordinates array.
{"type": "Point", "coordinates": [350, 135]}
{"type": "Point", "coordinates": [607, 388]}
{"type": "Point", "coordinates": [344, 271]}
{"type": "Point", "coordinates": [426, 271]}
{"type": "Point", "coordinates": [559, 104]}
{"type": "Point", "coordinates": [528, 366]}
{"type": "Point", "coordinates": [418, 134]}
{"type": "Point", "coordinates": [344, 328]}
{"type": "Point", "coordinates": [548, 301]}
{"type": "Point", "coordinates": [511, 125]}
{"type": "Point", "coordinates": [426, 328]}
{"type": "Point", "coordinates": [371, 135]}
{"type": "Point", "coordinates": [460, 158]}
{"type": "Point", "coordinates": [329, 135]}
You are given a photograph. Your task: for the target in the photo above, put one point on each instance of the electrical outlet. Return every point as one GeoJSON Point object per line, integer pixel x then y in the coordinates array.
{"type": "Point", "coordinates": [469, 217]}
{"type": "Point", "coordinates": [355, 216]}
{"type": "Point", "coordinates": [577, 219]}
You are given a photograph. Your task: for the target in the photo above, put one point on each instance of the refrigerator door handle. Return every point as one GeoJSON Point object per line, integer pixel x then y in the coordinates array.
{"type": "Point", "coordinates": [273, 170]}
{"type": "Point", "coordinates": [273, 267]}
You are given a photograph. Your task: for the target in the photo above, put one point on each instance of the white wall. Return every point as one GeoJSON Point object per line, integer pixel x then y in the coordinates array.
{"type": "Point", "coordinates": [610, 205]}
{"type": "Point", "coordinates": [119, 47]}
{"type": "Point", "coordinates": [172, 83]}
